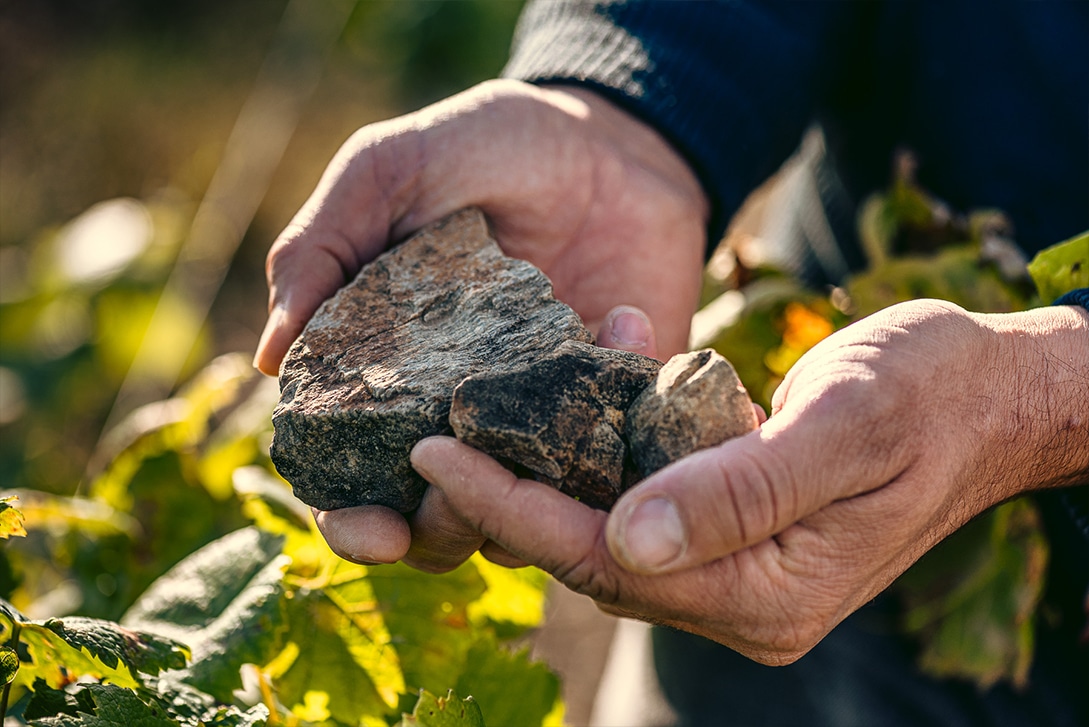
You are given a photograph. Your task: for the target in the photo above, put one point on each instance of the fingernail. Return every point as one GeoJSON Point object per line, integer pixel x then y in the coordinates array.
{"type": "Point", "coordinates": [654, 535]}
{"type": "Point", "coordinates": [629, 328]}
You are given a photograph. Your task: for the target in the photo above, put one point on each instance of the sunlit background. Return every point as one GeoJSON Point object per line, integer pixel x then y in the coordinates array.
{"type": "Point", "coordinates": [120, 120]}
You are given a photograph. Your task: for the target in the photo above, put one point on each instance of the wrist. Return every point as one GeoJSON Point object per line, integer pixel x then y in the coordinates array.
{"type": "Point", "coordinates": [1041, 390]}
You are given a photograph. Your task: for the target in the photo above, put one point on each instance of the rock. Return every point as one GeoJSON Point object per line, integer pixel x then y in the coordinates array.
{"type": "Point", "coordinates": [696, 402]}
{"type": "Point", "coordinates": [561, 417]}
{"type": "Point", "coordinates": [375, 369]}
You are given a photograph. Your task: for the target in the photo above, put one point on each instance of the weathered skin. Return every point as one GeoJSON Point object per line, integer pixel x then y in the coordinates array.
{"type": "Point", "coordinates": [375, 369]}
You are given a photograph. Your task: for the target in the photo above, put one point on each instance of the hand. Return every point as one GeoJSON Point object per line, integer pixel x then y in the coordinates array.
{"type": "Point", "coordinates": [440, 539]}
{"type": "Point", "coordinates": [584, 191]}
{"type": "Point", "coordinates": [884, 439]}
{"type": "Point", "coordinates": [592, 196]}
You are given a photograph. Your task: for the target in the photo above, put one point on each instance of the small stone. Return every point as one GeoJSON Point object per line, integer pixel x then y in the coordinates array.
{"type": "Point", "coordinates": [696, 402]}
{"type": "Point", "coordinates": [561, 417]}
{"type": "Point", "coordinates": [375, 369]}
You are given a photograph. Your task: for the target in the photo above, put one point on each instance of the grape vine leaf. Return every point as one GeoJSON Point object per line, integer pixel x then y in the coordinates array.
{"type": "Point", "coordinates": [11, 518]}
{"type": "Point", "coordinates": [9, 665]}
{"type": "Point", "coordinates": [1061, 268]}
{"type": "Point", "coordinates": [448, 711]}
{"type": "Point", "coordinates": [427, 617]}
{"type": "Point", "coordinates": [161, 697]}
{"type": "Point", "coordinates": [116, 645]}
{"type": "Point", "coordinates": [60, 650]}
{"type": "Point", "coordinates": [337, 650]}
{"type": "Point", "coordinates": [105, 705]}
{"type": "Point", "coordinates": [974, 597]}
{"type": "Point", "coordinates": [225, 602]}
{"type": "Point", "coordinates": [514, 599]}
{"type": "Point", "coordinates": [511, 689]}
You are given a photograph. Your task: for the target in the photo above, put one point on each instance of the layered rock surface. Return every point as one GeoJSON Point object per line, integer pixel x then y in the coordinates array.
{"type": "Point", "coordinates": [561, 417]}
{"type": "Point", "coordinates": [446, 335]}
{"type": "Point", "coordinates": [696, 402]}
{"type": "Point", "coordinates": [375, 369]}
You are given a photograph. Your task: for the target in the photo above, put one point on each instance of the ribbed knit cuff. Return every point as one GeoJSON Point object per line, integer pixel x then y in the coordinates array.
{"type": "Point", "coordinates": [1077, 296]}
{"type": "Point", "coordinates": [719, 80]}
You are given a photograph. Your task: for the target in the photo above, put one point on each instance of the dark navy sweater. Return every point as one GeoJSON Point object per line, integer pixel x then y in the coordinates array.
{"type": "Point", "coordinates": [993, 97]}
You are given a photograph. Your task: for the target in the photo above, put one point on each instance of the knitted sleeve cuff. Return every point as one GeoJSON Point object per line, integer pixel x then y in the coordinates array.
{"type": "Point", "coordinates": [1077, 296]}
{"type": "Point", "coordinates": [731, 86]}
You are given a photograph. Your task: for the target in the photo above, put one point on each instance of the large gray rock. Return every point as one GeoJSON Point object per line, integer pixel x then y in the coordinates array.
{"type": "Point", "coordinates": [560, 417]}
{"type": "Point", "coordinates": [696, 402]}
{"type": "Point", "coordinates": [375, 369]}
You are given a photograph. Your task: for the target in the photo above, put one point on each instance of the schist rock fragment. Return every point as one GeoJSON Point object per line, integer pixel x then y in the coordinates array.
{"type": "Point", "coordinates": [696, 402]}
{"type": "Point", "coordinates": [562, 417]}
{"type": "Point", "coordinates": [375, 369]}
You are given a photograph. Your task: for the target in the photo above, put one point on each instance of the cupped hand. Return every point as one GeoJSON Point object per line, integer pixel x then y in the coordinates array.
{"type": "Point", "coordinates": [884, 439]}
{"type": "Point", "coordinates": [589, 194]}
{"type": "Point", "coordinates": [584, 191]}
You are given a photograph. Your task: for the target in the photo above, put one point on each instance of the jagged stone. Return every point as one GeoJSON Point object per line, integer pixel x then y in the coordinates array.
{"type": "Point", "coordinates": [375, 369]}
{"type": "Point", "coordinates": [560, 417]}
{"type": "Point", "coordinates": [696, 402]}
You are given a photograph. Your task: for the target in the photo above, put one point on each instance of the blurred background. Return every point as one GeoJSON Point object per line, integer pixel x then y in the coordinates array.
{"type": "Point", "coordinates": [143, 142]}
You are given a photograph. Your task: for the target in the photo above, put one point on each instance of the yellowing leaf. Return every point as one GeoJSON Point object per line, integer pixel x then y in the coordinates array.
{"type": "Point", "coordinates": [514, 599]}
{"type": "Point", "coordinates": [61, 651]}
{"type": "Point", "coordinates": [1061, 268]}
{"type": "Point", "coordinates": [11, 518]}
{"type": "Point", "coordinates": [448, 711]}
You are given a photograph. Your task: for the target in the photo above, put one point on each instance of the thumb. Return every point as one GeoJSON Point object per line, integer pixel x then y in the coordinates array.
{"type": "Point", "coordinates": [718, 501]}
{"type": "Point", "coordinates": [626, 328]}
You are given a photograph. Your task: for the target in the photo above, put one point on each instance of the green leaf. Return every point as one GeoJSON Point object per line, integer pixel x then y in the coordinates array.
{"type": "Point", "coordinates": [225, 602]}
{"type": "Point", "coordinates": [9, 665]}
{"type": "Point", "coordinates": [511, 689]}
{"type": "Point", "coordinates": [110, 705]}
{"type": "Point", "coordinates": [448, 711]}
{"type": "Point", "coordinates": [338, 653]}
{"type": "Point", "coordinates": [1061, 268]}
{"type": "Point", "coordinates": [48, 702]}
{"type": "Point", "coordinates": [973, 598]}
{"type": "Point", "coordinates": [60, 651]}
{"type": "Point", "coordinates": [187, 705]}
{"type": "Point", "coordinates": [428, 620]}
{"type": "Point", "coordinates": [514, 599]}
{"type": "Point", "coordinates": [115, 645]}
{"type": "Point", "coordinates": [11, 518]}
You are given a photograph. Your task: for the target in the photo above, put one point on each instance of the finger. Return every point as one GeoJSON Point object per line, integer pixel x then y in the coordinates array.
{"type": "Point", "coordinates": [501, 556]}
{"type": "Point", "coordinates": [530, 520]}
{"type": "Point", "coordinates": [761, 415]}
{"type": "Point", "coordinates": [367, 534]}
{"type": "Point", "coordinates": [721, 500]}
{"type": "Point", "coordinates": [441, 540]}
{"type": "Point", "coordinates": [627, 328]}
{"type": "Point", "coordinates": [301, 275]}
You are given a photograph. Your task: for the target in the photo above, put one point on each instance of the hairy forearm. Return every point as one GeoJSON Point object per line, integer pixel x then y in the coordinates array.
{"type": "Point", "coordinates": [1041, 359]}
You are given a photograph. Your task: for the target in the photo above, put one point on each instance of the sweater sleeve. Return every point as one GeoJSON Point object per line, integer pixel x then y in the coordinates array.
{"type": "Point", "coordinates": [732, 85]}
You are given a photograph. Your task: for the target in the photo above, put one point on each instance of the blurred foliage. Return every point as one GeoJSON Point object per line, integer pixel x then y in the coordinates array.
{"type": "Point", "coordinates": [210, 585]}
{"type": "Point", "coordinates": [972, 600]}
{"type": "Point", "coordinates": [173, 523]}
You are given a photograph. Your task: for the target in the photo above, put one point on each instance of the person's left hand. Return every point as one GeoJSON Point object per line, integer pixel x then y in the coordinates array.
{"type": "Point", "coordinates": [884, 439]}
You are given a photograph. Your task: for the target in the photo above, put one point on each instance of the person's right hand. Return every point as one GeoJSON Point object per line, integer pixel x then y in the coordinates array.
{"type": "Point", "coordinates": [568, 181]}
{"type": "Point", "coordinates": [584, 191]}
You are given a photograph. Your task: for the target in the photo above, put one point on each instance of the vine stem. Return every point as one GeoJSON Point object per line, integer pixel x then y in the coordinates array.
{"type": "Point", "coordinates": [4, 702]}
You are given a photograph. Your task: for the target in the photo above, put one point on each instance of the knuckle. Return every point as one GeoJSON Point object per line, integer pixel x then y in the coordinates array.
{"type": "Point", "coordinates": [592, 576]}
{"type": "Point", "coordinates": [749, 508]}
